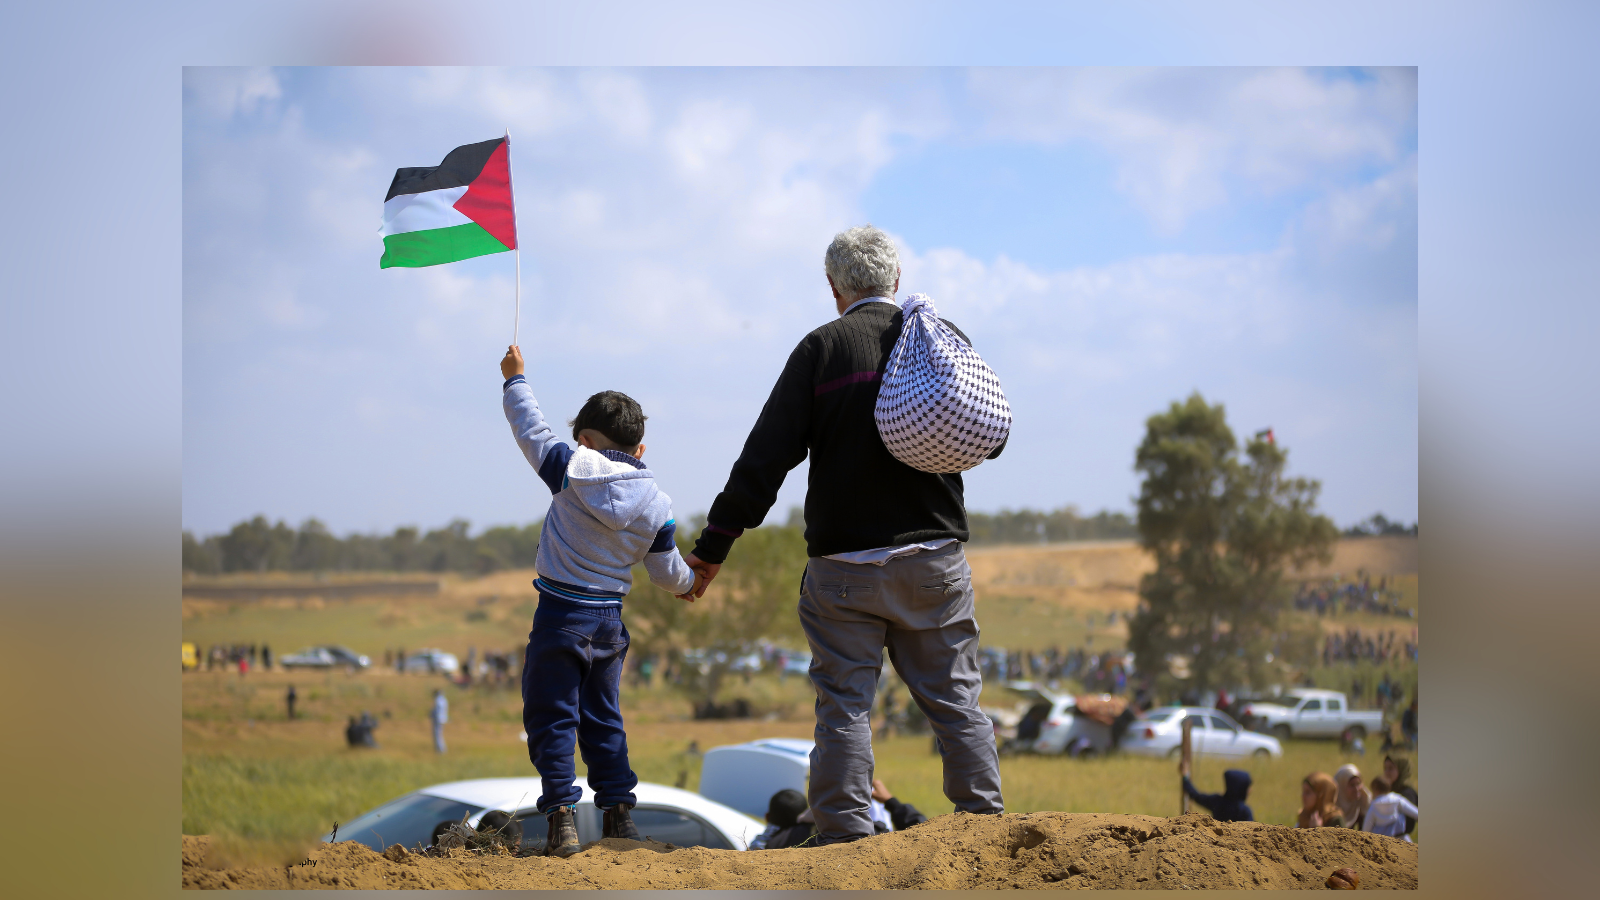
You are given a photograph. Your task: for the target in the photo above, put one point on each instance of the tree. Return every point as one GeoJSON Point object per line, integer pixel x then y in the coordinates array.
{"type": "Point", "coordinates": [1222, 527]}
{"type": "Point", "coordinates": [754, 598]}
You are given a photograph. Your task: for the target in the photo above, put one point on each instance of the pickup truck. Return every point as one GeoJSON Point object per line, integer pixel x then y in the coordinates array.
{"type": "Point", "coordinates": [1310, 712]}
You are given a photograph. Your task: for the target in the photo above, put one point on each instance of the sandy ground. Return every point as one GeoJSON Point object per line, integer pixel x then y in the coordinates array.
{"type": "Point", "coordinates": [1035, 850]}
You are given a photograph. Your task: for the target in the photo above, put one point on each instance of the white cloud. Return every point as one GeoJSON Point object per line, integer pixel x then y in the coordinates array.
{"type": "Point", "coordinates": [1182, 139]}
{"type": "Point", "coordinates": [673, 225]}
{"type": "Point", "coordinates": [224, 92]}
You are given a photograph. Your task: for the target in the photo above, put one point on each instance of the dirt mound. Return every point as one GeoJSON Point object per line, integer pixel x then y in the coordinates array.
{"type": "Point", "coordinates": [1034, 850]}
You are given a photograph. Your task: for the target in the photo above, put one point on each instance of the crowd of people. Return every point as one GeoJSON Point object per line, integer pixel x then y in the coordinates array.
{"type": "Point", "coordinates": [1341, 800]}
{"type": "Point", "coordinates": [1106, 672]}
{"type": "Point", "coordinates": [1331, 597]}
{"type": "Point", "coordinates": [1354, 645]}
{"type": "Point", "coordinates": [243, 657]}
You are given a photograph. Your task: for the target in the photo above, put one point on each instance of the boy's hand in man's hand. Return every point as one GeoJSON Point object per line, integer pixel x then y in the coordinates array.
{"type": "Point", "coordinates": [511, 363]}
{"type": "Point", "coordinates": [695, 591]}
{"type": "Point", "coordinates": [703, 571]}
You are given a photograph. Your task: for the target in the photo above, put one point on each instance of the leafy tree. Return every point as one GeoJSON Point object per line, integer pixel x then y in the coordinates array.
{"type": "Point", "coordinates": [202, 557]}
{"type": "Point", "coordinates": [1222, 527]}
{"type": "Point", "coordinates": [753, 598]}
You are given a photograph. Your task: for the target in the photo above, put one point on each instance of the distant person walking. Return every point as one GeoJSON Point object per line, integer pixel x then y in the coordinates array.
{"type": "Point", "coordinates": [266, 658]}
{"type": "Point", "coordinates": [439, 715]}
{"type": "Point", "coordinates": [289, 698]}
{"type": "Point", "coordinates": [886, 566]}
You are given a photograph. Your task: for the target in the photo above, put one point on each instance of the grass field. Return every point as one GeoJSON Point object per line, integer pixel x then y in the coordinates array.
{"type": "Point", "coordinates": [265, 787]}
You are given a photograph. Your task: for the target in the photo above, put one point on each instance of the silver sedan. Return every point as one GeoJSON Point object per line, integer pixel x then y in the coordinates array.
{"type": "Point", "coordinates": [1159, 732]}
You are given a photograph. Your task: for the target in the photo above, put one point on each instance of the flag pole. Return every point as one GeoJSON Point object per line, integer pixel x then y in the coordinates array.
{"type": "Point", "coordinates": [516, 320]}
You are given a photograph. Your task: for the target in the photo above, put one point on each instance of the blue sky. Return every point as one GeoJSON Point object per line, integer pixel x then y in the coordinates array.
{"type": "Point", "coordinates": [1112, 239]}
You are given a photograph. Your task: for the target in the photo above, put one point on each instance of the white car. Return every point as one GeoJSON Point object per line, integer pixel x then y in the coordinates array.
{"type": "Point", "coordinates": [663, 813]}
{"type": "Point", "coordinates": [1159, 732]}
{"type": "Point", "coordinates": [1310, 712]}
{"type": "Point", "coordinates": [1059, 726]}
{"type": "Point", "coordinates": [432, 661]}
{"type": "Point", "coordinates": [325, 657]}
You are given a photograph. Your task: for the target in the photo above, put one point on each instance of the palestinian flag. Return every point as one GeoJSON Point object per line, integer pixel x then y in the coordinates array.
{"type": "Point", "coordinates": [456, 210]}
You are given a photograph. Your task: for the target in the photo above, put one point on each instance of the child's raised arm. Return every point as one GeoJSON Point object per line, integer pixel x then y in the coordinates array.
{"type": "Point", "coordinates": [547, 455]}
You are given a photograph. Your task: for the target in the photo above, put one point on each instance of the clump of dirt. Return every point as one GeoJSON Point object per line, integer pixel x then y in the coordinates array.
{"type": "Point", "coordinates": [957, 851]}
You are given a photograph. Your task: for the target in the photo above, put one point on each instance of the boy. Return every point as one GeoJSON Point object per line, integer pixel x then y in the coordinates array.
{"type": "Point", "coordinates": [606, 516]}
{"type": "Point", "coordinates": [1228, 806]}
{"type": "Point", "coordinates": [1388, 811]}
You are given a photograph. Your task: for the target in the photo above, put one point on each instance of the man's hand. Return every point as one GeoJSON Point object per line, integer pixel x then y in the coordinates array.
{"type": "Point", "coordinates": [704, 570]}
{"type": "Point", "coordinates": [880, 793]}
{"type": "Point", "coordinates": [511, 363]}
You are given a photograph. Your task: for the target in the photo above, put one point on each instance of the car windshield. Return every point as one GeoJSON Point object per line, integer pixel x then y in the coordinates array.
{"type": "Point", "coordinates": [1158, 716]}
{"type": "Point", "coordinates": [408, 821]}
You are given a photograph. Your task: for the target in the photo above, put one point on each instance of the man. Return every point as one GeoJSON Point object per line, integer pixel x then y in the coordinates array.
{"type": "Point", "coordinates": [886, 567]}
{"type": "Point", "coordinates": [438, 715]}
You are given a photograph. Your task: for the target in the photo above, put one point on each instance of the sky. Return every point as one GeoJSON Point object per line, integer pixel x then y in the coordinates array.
{"type": "Point", "coordinates": [1112, 240]}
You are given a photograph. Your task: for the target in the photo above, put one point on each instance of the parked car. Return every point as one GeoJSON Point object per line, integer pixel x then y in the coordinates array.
{"type": "Point", "coordinates": [1159, 732]}
{"type": "Point", "coordinates": [330, 656]}
{"type": "Point", "coordinates": [797, 664]}
{"type": "Point", "coordinates": [749, 662]}
{"type": "Point", "coordinates": [745, 776]}
{"type": "Point", "coordinates": [663, 813]}
{"type": "Point", "coordinates": [1312, 712]}
{"type": "Point", "coordinates": [1051, 724]}
{"type": "Point", "coordinates": [432, 662]}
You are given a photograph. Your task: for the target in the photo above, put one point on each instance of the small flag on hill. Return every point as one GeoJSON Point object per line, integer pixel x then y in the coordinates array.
{"type": "Point", "coordinates": [456, 210]}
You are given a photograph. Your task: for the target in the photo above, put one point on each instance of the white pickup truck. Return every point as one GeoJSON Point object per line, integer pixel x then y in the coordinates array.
{"type": "Point", "coordinates": [1311, 712]}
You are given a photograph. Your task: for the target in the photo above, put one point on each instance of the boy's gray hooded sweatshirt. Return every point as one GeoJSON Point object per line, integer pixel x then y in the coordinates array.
{"type": "Point", "coordinates": [606, 514]}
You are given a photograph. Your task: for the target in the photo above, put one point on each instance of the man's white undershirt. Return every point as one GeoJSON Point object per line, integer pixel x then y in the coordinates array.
{"type": "Point", "coordinates": [883, 554]}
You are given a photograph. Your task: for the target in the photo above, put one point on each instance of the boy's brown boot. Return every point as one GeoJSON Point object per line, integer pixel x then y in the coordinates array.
{"type": "Point", "coordinates": [619, 824]}
{"type": "Point", "coordinates": [562, 840]}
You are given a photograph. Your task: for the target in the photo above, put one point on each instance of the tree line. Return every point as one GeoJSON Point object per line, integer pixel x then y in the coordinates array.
{"type": "Point", "coordinates": [1221, 518]}
{"type": "Point", "coordinates": [258, 545]}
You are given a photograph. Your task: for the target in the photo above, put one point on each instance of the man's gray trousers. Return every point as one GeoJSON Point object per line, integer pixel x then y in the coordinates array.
{"type": "Point", "coordinates": [921, 608]}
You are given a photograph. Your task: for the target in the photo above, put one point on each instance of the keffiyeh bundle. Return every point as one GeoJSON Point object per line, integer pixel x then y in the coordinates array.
{"type": "Point", "coordinates": [940, 407]}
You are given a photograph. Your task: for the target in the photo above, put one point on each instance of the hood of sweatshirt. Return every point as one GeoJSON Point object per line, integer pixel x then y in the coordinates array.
{"type": "Point", "coordinates": [1236, 784]}
{"type": "Point", "coordinates": [614, 487]}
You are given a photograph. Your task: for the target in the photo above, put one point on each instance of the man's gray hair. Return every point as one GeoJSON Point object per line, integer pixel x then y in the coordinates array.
{"type": "Point", "coordinates": [863, 263]}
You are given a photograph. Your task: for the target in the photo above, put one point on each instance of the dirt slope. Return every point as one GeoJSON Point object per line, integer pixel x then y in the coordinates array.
{"type": "Point", "coordinates": [1035, 850]}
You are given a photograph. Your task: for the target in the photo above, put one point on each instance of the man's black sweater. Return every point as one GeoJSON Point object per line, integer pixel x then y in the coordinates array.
{"type": "Point", "coordinates": [859, 497]}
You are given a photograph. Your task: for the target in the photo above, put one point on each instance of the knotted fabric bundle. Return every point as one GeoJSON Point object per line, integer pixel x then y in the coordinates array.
{"type": "Point", "coordinates": [940, 407]}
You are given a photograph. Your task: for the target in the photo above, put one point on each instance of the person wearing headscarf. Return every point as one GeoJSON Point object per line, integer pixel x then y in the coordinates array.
{"type": "Point", "coordinates": [1317, 806]}
{"type": "Point", "coordinates": [1397, 772]}
{"type": "Point", "coordinates": [1353, 795]}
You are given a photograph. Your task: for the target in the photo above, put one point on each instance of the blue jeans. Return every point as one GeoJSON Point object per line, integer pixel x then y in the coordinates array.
{"type": "Point", "coordinates": [570, 682]}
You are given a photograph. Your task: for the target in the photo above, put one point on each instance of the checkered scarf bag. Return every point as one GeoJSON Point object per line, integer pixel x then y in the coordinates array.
{"type": "Point", "coordinates": [940, 407]}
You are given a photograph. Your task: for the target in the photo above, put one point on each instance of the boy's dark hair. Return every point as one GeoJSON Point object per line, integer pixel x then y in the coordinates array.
{"type": "Point", "coordinates": [785, 806]}
{"type": "Point", "coordinates": [613, 414]}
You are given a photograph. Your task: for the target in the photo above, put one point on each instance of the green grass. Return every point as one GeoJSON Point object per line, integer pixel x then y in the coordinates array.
{"type": "Point", "coordinates": [265, 788]}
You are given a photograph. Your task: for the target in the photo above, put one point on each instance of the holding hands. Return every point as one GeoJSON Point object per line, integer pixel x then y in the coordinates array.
{"type": "Point", "coordinates": [703, 573]}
